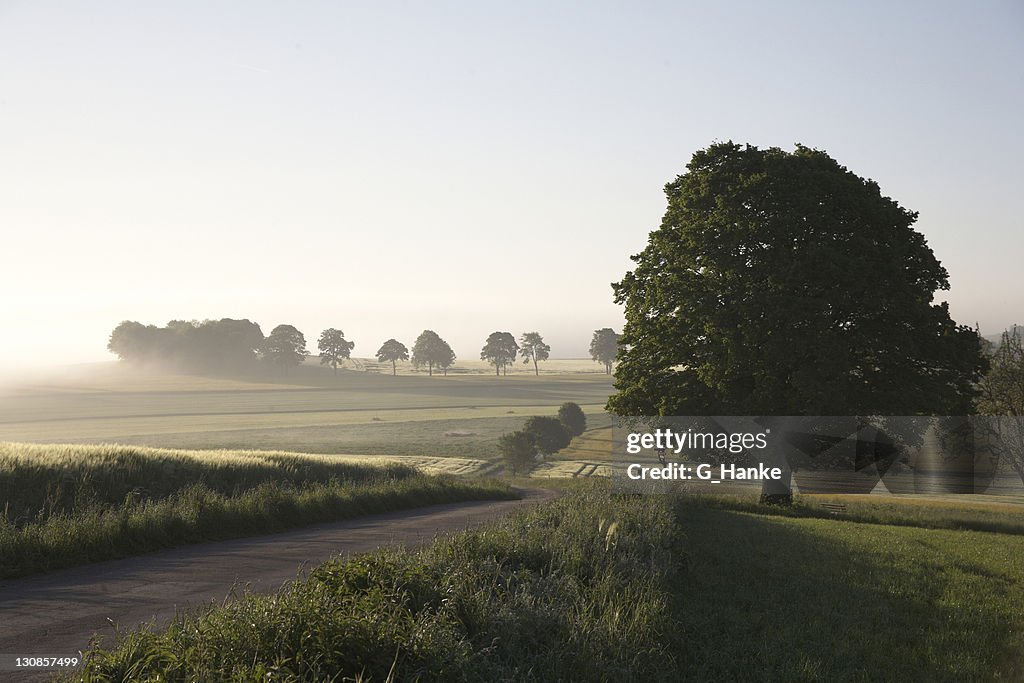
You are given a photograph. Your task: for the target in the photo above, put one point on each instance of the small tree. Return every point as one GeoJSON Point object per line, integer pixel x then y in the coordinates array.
{"type": "Point", "coordinates": [333, 348]}
{"type": "Point", "coordinates": [134, 342]}
{"type": "Point", "coordinates": [519, 450]}
{"type": "Point", "coordinates": [500, 350]}
{"type": "Point", "coordinates": [285, 347]}
{"type": "Point", "coordinates": [445, 357]}
{"type": "Point", "coordinates": [571, 415]}
{"type": "Point", "coordinates": [431, 350]}
{"type": "Point", "coordinates": [550, 435]}
{"type": "Point", "coordinates": [1002, 396]}
{"type": "Point", "coordinates": [532, 348]}
{"type": "Point", "coordinates": [392, 351]}
{"type": "Point", "coordinates": [604, 346]}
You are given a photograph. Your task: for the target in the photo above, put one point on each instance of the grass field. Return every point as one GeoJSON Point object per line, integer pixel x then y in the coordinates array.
{"type": "Point", "coordinates": [69, 505]}
{"type": "Point", "coordinates": [603, 587]}
{"type": "Point", "coordinates": [312, 410]}
{"type": "Point", "coordinates": [823, 599]}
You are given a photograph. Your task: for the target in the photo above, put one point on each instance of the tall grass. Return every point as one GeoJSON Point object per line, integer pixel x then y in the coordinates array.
{"type": "Point", "coordinates": [70, 505]}
{"type": "Point", "coordinates": [574, 590]}
{"type": "Point", "coordinates": [38, 481]}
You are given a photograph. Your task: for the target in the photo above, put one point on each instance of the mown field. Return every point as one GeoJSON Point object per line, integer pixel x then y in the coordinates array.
{"type": "Point", "coordinates": [596, 586]}
{"type": "Point", "coordinates": [69, 505]}
{"type": "Point", "coordinates": [312, 410]}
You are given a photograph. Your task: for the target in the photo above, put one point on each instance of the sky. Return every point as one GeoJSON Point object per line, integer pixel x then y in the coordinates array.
{"type": "Point", "coordinates": [467, 167]}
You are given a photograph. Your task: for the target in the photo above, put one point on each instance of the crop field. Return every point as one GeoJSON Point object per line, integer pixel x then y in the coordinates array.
{"type": "Point", "coordinates": [312, 410]}
{"type": "Point", "coordinates": [570, 469]}
{"type": "Point", "coordinates": [595, 444]}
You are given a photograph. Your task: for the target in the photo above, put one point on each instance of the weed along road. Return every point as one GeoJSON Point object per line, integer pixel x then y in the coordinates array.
{"type": "Point", "coordinates": [61, 611]}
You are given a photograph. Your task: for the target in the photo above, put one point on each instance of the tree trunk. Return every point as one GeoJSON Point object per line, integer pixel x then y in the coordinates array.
{"type": "Point", "coordinates": [535, 370]}
{"type": "Point", "coordinates": [393, 364]}
{"type": "Point", "coordinates": [430, 369]}
{"type": "Point", "coordinates": [778, 491]}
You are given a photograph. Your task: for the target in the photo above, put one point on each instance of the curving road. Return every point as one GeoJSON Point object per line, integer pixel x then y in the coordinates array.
{"type": "Point", "coordinates": [58, 613]}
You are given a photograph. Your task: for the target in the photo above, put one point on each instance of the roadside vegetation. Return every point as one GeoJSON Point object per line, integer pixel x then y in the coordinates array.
{"type": "Point", "coordinates": [70, 505]}
{"type": "Point", "coordinates": [595, 586]}
{"type": "Point", "coordinates": [573, 590]}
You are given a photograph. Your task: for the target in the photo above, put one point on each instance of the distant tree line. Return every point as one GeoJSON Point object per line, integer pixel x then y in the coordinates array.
{"type": "Point", "coordinates": [234, 345]}
{"type": "Point", "coordinates": [226, 343]}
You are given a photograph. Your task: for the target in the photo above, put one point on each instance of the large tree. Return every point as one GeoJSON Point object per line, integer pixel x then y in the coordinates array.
{"type": "Point", "coordinates": [431, 350]}
{"type": "Point", "coordinates": [334, 348]}
{"type": "Point", "coordinates": [604, 346]}
{"type": "Point", "coordinates": [780, 283]}
{"type": "Point", "coordinates": [533, 349]}
{"type": "Point", "coordinates": [285, 347]}
{"type": "Point", "coordinates": [500, 350]}
{"type": "Point", "coordinates": [392, 351]}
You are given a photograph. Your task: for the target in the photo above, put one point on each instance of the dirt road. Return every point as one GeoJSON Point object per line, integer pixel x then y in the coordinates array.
{"type": "Point", "coordinates": [58, 613]}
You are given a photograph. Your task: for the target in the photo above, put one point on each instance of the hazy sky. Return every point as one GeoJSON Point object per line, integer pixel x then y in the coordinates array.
{"type": "Point", "coordinates": [384, 167]}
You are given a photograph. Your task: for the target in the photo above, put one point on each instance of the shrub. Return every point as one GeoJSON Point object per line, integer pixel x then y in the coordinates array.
{"type": "Point", "coordinates": [519, 449]}
{"type": "Point", "coordinates": [549, 434]}
{"type": "Point", "coordinates": [571, 415]}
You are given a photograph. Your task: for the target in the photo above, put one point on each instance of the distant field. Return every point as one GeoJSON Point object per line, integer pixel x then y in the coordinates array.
{"type": "Point", "coordinates": [311, 410]}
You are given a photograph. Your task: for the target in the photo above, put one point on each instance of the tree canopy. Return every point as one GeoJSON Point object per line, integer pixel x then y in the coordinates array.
{"type": "Point", "coordinates": [781, 283]}
{"type": "Point", "coordinates": [333, 347]}
{"type": "Point", "coordinates": [604, 346]}
{"type": "Point", "coordinates": [500, 350]}
{"type": "Point", "coordinates": [285, 347]}
{"type": "Point", "coordinates": [430, 350]}
{"type": "Point", "coordinates": [533, 349]}
{"type": "Point", "coordinates": [392, 351]}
